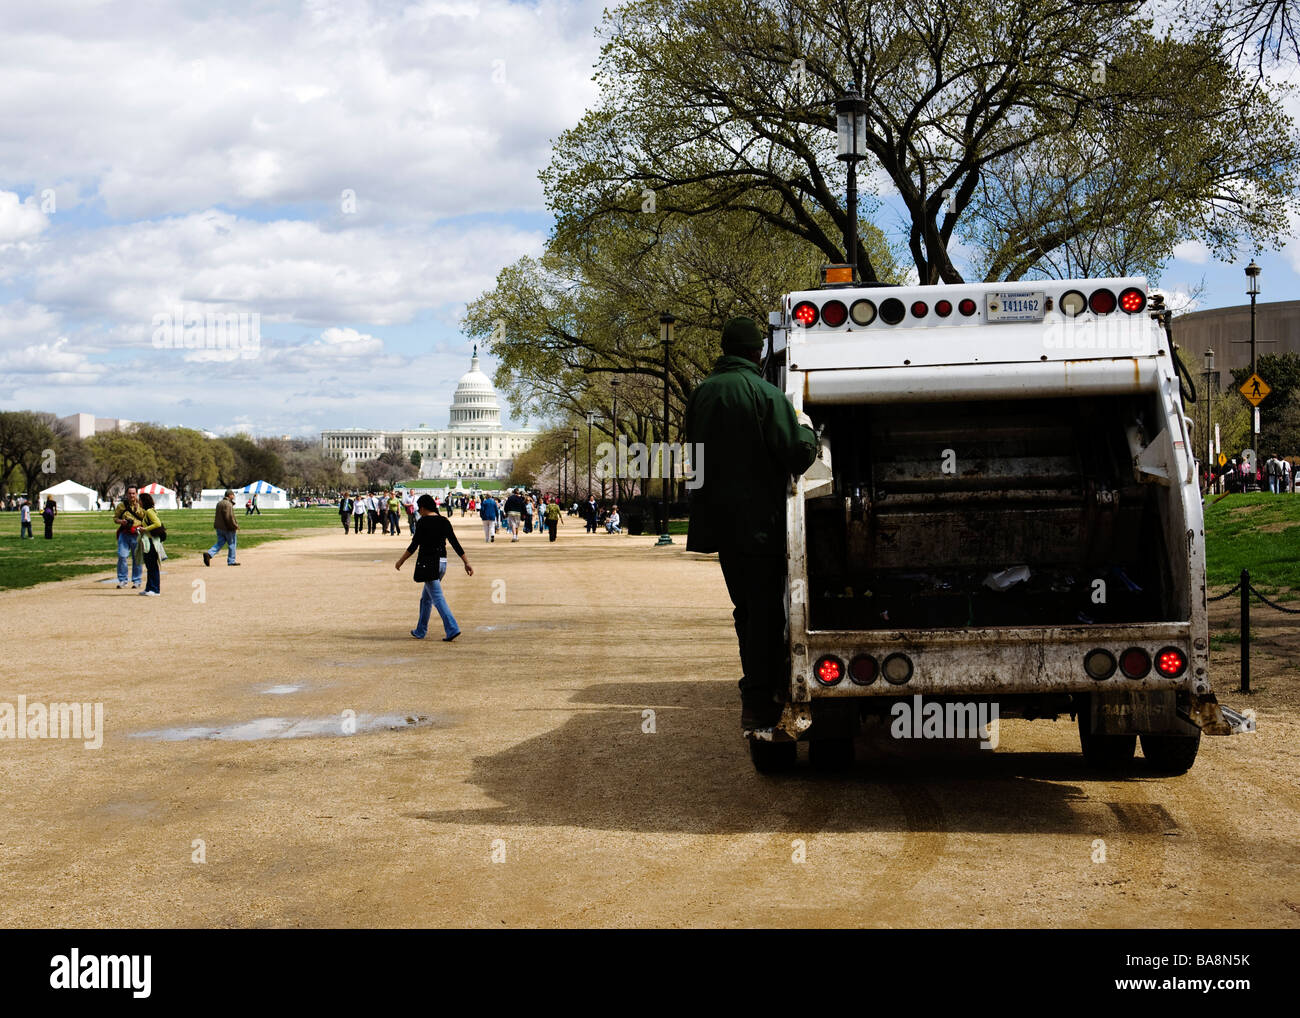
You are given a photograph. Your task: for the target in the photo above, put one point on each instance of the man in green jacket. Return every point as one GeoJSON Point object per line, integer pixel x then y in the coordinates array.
{"type": "Point", "coordinates": [754, 442]}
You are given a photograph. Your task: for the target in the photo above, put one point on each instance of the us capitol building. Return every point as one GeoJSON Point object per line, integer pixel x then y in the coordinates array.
{"type": "Point", "coordinates": [474, 445]}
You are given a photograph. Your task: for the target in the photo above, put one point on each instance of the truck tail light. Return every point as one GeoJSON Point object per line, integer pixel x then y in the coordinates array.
{"type": "Point", "coordinates": [863, 312]}
{"type": "Point", "coordinates": [863, 669]}
{"type": "Point", "coordinates": [943, 308]}
{"type": "Point", "coordinates": [892, 311]}
{"type": "Point", "coordinates": [897, 668]}
{"type": "Point", "coordinates": [967, 307]}
{"type": "Point", "coordinates": [1073, 303]}
{"type": "Point", "coordinates": [1171, 662]}
{"type": "Point", "coordinates": [1132, 300]}
{"type": "Point", "coordinates": [829, 670]}
{"type": "Point", "coordinates": [805, 313]}
{"type": "Point", "coordinates": [1135, 663]}
{"type": "Point", "coordinates": [920, 309]}
{"type": "Point", "coordinates": [1102, 302]}
{"type": "Point", "coordinates": [1099, 664]}
{"type": "Point", "coordinates": [834, 313]}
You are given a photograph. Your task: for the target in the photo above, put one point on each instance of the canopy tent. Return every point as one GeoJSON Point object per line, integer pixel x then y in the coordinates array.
{"type": "Point", "coordinates": [163, 497]}
{"type": "Point", "coordinates": [268, 495]}
{"type": "Point", "coordinates": [69, 497]}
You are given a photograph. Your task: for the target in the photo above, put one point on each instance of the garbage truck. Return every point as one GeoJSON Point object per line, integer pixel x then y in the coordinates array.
{"type": "Point", "coordinates": [1004, 512]}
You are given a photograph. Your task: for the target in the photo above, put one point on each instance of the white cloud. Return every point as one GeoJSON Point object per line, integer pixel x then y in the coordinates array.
{"type": "Point", "coordinates": [1193, 251]}
{"type": "Point", "coordinates": [55, 361]}
{"type": "Point", "coordinates": [20, 219]}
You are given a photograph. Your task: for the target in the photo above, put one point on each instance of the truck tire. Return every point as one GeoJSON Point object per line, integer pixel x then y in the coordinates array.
{"type": "Point", "coordinates": [773, 757]}
{"type": "Point", "coordinates": [1171, 754]}
{"type": "Point", "coordinates": [1105, 752]}
{"type": "Point", "coordinates": [831, 754]}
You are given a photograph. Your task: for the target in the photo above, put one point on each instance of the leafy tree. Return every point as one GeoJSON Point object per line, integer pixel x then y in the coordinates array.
{"type": "Point", "coordinates": [117, 459]}
{"type": "Point", "coordinates": [1282, 373]}
{"type": "Point", "coordinates": [251, 462]}
{"type": "Point", "coordinates": [416, 458]}
{"type": "Point", "coordinates": [25, 437]}
{"type": "Point", "coordinates": [992, 122]}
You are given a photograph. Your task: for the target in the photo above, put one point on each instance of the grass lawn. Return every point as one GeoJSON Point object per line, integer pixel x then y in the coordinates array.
{"type": "Point", "coordinates": [85, 542]}
{"type": "Point", "coordinates": [1259, 532]}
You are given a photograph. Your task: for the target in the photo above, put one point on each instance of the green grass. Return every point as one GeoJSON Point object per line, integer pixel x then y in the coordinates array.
{"type": "Point", "coordinates": [84, 543]}
{"type": "Point", "coordinates": [1259, 532]}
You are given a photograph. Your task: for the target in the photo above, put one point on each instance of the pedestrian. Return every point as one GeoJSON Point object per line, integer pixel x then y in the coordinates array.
{"type": "Point", "coordinates": [589, 513]}
{"type": "Point", "coordinates": [1273, 472]}
{"type": "Point", "coordinates": [612, 522]}
{"type": "Point", "coordinates": [152, 534]}
{"type": "Point", "coordinates": [528, 514]}
{"type": "Point", "coordinates": [372, 512]}
{"type": "Point", "coordinates": [488, 514]}
{"type": "Point", "coordinates": [255, 508]}
{"type": "Point", "coordinates": [24, 519]}
{"type": "Point", "coordinates": [514, 514]}
{"type": "Point", "coordinates": [409, 505]}
{"type": "Point", "coordinates": [358, 512]}
{"type": "Point", "coordinates": [127, 514]}
{"type": "Point", "coordinates": [756, 442]}
{"type": "Point", "coordinates": [553, 517]}
{"type": "Point", "coordinates": [248, 507]}
{"type": "Point", "coordinates": [395, 513]}
{"type": "Point", "coordinates": [345, 510]}
{"type": "Point", "coordinates": [48, 514]}
{"type": "Point", "coordinates": [432, 535]}
{"type": "Point", "coordinates": [225, 526]}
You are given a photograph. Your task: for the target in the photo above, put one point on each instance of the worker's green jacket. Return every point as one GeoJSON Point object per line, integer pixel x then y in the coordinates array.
{"type": "Point", "coordinates": [751, 445]}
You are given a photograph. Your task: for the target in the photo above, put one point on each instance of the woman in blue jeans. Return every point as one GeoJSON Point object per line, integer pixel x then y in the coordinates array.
{"type": "Point", "coordinates": [432, 535]}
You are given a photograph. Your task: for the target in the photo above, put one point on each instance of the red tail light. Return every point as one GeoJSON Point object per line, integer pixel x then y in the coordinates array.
{"type": "Point", "coordinates": [863, 669]}
{"type": "Point", "coordinates": [1132, 300]}
{"type": "Point", "coordinates": [834, 313]}
{"type": "Point", "coordinates": [829, 670]}
{"type": "Point", "coordinates": [1135, 663]}
{"type": "Point", "coordinates": [920, 309]}
{"type": "Point", "coordinates": [1102, 302]}
{"type": "Point", "coordinates": [1171, 662]}
{"type": "Point", "coordinates": [967, 307]}
{"type": "Point", "coordinates": [943, 308]}
{"type": "Point", "coordinates": [805, 313]}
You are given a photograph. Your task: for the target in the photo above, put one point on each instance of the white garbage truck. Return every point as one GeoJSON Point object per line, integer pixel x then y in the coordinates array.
{"type": "Point", "coordinates": [1005, 511]}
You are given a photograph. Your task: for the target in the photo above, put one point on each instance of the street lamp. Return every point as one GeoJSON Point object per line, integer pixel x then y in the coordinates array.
{"type": "Point", "coordinates": [666, 322]}
{"type": "Point", "coordinates": [574, 476]}
{"type": "Point", "coordinates": [851, 145]}
{"type": "Point", "coordinates": [613, 434]}
{"type": "Point", "coordinates": [564, 468]}
{"type": "Point", "coordinates": [591, 419]}
{"type": "Point", "coordinates": [1209, 419]}
{"type": "Point", "coordinates": [1252, 290]}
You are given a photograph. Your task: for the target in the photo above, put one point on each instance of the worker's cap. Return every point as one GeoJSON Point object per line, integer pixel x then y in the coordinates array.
{"type": "Point", "coordinates": [741, 336]}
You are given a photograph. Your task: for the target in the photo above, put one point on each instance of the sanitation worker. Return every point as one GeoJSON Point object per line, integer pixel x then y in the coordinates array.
{"type": "Point", "coordinates": [747, 442]}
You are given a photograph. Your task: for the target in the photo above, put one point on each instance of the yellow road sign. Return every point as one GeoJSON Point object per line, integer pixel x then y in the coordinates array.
{"type": "Point", "coordinates": [1223, 459]}
{"type": "Point", "coordinates": [1255, 389]}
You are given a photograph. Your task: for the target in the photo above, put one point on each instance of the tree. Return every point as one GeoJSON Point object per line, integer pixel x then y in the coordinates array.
{"type": "Point", "coordinates": [27, 441]}
{"type": "Point", "coordinates": [251, 462]}
{"type": "Point", "coordinates": [1282, 373]}
{"type": "Point", "coordinates": [117, 459]}
{"type": "Point", "coordinates": [416, 458]}
{"type": "Point", "coordinates": [974, 108]}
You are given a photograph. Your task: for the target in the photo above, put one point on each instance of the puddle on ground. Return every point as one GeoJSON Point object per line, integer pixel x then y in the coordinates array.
{"type": "Point", "coordinates": [294, 728]}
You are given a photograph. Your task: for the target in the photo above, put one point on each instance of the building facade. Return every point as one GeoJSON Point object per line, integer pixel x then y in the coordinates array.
{"type": "Point", "coordinates": [473, 446]}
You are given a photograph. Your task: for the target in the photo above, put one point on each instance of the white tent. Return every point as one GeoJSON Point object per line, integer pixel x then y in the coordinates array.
{"type": "Point", "coordinates": [268, 495]}
{"type": "Point", "coordinates": [209, 497]}
{"type": "Point", "coordinates": [69, 497]}
{"type": "Point", "coordinates": [163, 497]}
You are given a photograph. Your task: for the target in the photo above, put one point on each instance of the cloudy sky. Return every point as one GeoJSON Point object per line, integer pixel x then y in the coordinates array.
{"type": "Point", "coordinates": [353, 172]}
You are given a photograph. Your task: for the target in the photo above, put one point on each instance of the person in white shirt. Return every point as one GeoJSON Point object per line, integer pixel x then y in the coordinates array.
{"type": "Point", "coordinates": [611, 522]}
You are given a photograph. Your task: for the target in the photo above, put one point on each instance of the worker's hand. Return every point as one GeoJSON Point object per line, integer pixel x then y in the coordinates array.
{"type": "Point", "coordinates": [805, 420]}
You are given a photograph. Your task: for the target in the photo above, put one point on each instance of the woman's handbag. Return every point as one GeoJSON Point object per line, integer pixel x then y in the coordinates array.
{"type": "Point", "coordinates": [160, 534]}
{"type": "Point", "coordinates": [424, 571]}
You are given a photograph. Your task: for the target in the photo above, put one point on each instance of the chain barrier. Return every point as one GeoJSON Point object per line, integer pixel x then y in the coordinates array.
{"type": "Point", "coordinates": [1276, 607]}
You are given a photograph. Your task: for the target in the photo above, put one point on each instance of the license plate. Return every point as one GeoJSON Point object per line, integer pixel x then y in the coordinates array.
{"type": "Point", "coordinates": [1015, 307]}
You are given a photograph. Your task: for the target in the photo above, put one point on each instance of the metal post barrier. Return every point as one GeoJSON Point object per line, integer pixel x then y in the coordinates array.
{"type": "Point", "coordinates": [1245, 632]}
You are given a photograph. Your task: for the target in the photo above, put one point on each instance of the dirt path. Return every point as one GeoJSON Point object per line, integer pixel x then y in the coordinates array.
{"type": "Point", "coordinates": [529, 743]}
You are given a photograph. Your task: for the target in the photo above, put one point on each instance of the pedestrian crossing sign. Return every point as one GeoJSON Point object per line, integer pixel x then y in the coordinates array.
{"type": "Point", "coordinates": [1255, 389]}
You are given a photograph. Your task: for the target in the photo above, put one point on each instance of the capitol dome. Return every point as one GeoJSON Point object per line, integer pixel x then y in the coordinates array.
{"type": "Point", "coordinates": [474, 404]}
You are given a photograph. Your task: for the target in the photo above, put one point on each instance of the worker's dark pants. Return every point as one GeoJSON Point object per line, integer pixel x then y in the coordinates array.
{"type": "Point", "coordinates": [756, 584]}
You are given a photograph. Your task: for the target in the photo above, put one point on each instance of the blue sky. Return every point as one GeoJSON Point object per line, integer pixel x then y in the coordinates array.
{"type": "Point", "coordinates": [353, 172]}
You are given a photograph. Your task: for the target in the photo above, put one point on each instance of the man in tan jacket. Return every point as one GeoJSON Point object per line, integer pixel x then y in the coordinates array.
{"type": "Point", "coordinates": [225, 525]}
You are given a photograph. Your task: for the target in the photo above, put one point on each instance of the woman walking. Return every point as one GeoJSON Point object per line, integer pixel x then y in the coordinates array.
{"type": "Point", "coordinates": [432, 534]}
{"type": "Point", "coordinates": [48, 514]}
{"type": "Point", "coordinates": [345, 510]}
{"type": "Point", "coordinates": [358, 513]}
{"type": "Point", "coordinates": [553, 519]}
{"type": "Point", "coordinates": [150, 545]}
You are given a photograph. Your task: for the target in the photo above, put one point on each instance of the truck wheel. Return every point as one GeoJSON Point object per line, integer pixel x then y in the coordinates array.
{"type": "Point", "coordinates": [773, 757]}
{"type": "Point", "coordinates": [831, 754]}
{"type": "Point", "coordinates": [1171, 754]}
{"type": "Point", "coordinates": [1106, 752]}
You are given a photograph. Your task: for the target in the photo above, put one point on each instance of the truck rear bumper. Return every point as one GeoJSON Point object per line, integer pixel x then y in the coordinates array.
{"type": "Point", "coordinates": [995, 661]}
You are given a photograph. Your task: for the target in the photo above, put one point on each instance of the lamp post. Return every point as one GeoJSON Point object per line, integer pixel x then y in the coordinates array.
{"type": "Point", "coordinates": [666, 338]}
{"type": "Point", "coordinates": [613, 434]}
{"type": "Point", "coordinates": [1252, 289]}
{"type": "Point", "coordinates": [1209, 418]}
{"type": "Point", "coordinates": [574, 476]}
{"type": "Point", "coordinates": [591, 419]}
{"type": "Point", "coordinates": [851, 145]}
{"type": "Point", "coordinates": [564, 467]}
